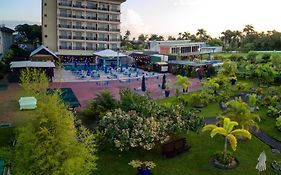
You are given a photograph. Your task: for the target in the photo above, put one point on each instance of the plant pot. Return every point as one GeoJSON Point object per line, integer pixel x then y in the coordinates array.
{"type": "Point", "coordinates": [144, 171]}
{"type": "Point", "coordinates": [233, 82]}
{"type": "Point", "coordinates": [219, 165]}
{"type": "Point", "coordinates": [167, 93]}
{"type": "Point", "coordinates": [252, 108]}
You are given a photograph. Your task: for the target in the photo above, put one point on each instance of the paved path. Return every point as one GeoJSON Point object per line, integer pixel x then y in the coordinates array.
{"type": "Point", "coordinates": [271, 142]}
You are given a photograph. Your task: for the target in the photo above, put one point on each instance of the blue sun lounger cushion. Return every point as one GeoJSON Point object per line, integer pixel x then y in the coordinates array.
{"type": "Point", "coordinates": [27, 103]}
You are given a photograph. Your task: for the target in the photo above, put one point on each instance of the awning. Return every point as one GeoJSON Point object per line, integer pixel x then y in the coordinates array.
{"type": "Point", "coordinates": [35, 64]}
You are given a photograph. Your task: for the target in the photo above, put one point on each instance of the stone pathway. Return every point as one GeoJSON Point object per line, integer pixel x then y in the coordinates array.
{"type": "Point", "coordinates": [270, 141]}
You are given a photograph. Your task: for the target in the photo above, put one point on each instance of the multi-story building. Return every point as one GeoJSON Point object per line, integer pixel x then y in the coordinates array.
{"type": "Point", "coordinates": [6, 40]}
{"type": "Point", "coordinates": [80, 27]}
{"type": "Point", "coordinates": [183, 47]}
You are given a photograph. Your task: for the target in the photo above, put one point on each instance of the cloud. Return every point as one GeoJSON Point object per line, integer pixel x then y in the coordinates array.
{"type": "Point", "coordinates": [133, 22]}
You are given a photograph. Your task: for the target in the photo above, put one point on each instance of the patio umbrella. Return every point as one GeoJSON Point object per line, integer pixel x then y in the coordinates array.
{"type": "Point", "coordinates": [85, 66]}
{"type": "Point", "coordinates": [143, 87]}
{"type": "Point", "coordinates": [261, 166]}
{"type": "Point", "coordinates": [164, 82]}
{"type": "Point", "coordinates": [75, 63]}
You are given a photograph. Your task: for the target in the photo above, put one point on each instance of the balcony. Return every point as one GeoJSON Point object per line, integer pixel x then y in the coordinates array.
{"type": "Point", "coordinates": [65, 15]}
{"type": "Point", "coordinates": [103, 8]}
{"type": "Point", "coordinates": [91, 38]}
{"type": "Point", "coordinates": [115, 20]}
{"type": "Point", "coordinates": [90, 28]}
{"type": "Point", "coordinates": [114, 39]}
{"type": "Point", "coordinates": [92, 7]}
{"type": "Point", "coordinates": [103, 19]}
{"type": "Point", "coordinates": [63, 4]}
{"type": "Point", "coordinates": [65, 26]}
{"type": "Point", "coordinates": [103, 39]}
{"type": "Point", "coordinates": [78, 27]}
{"type": "Point", "coordinates": [78, 48]}
{"type": "Point", "coordinates": [92, 17]}
{"type": "Point", "coordinates": [78, 37]}
{"type": "Point", "coordinates": [91, 48]}
{"type": "Point", "coordinates": [78, 6]}
{"type": "Point", "coordinates": [115, 10]}
{"type": "Point", "coordinates": [103, 29]}
{"type": "Point", "coordinates": [115, 30]}
{"type": "Point", "coordinates": [66, 47]}
{"type": "Point", "coordinates": [65, 37]}
{"type": "Point", "coordinates": [78, 16]}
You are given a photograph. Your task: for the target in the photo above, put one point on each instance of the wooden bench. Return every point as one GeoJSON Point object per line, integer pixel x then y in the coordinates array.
{"type": "Point", "coordinates": [175, 147]}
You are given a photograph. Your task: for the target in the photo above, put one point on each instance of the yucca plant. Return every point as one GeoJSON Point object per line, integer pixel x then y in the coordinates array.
{"type": "Point", "coordinates": [229, 133]}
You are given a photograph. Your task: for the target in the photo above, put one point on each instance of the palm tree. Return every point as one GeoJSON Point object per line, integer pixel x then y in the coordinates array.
{"type": "Point", "coordinates": [202, 35]}
{"type": "Point", "coordinates": [186, 36]}
{"type": "Point", "coordinates": [180, 36]}
{"type": "Point", "coordinates": [249, 29]}
{"type": "Point", "coordinates": [229, 133]}
{"type": "Point", "coordinates": [184, 82]}
{"type": "Point", "coordinates": [239, 111]}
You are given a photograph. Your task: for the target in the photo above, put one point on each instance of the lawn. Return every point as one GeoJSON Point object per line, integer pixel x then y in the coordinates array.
{"type": "Point", "coordinates": [193, 162]}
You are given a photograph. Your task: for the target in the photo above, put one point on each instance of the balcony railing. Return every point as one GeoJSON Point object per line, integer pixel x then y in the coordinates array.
{"type": "Point", "coordinates": [91, 48]}
{"type": "Point", "coordinates": [103, 19]}
{"type": "Point", "coordinates": [78, 48]}
{"type": "Point", "coordinates": [78, 16]}
{"type": "Point", "coordinates": [64, 26]}
{"type": "Point", "coordinates": [65, 4]}
{"type": "Point", "coordinates": [103, 8]}
{"type": "Point", "coordinates": [65, 15]}
{"type": "Point", "coordinates": [91, 38]}
{"type": "Point", "coordinates": [66, 47]}
{"type": "Point", "coordinates": [115, 10]}
{"type": "Point", "coordinates": [103, 29]}
{"type": "Point", "coordinates": [91, 28]}
{"type": "Point", "coordinates": [115, 20]}
{"type": "Point", "coordinates": [78, 37]}
{"type": "Point", "coordinates": [115, 30]}
{"type": "Point", "coordinates": [103, 39]}
{"type": "Point", "coordinates": [78, 27]}
{"type": "Point", "coordinates": [65, 37]}
{"type": "Point", "coordinates": [92, 17]}
{"type": "Point", "coordinates": [93, 7]}
{"type": "Point", "coordinates": [78, 6]}
{"type": "Point", "coordinates": [114, 39]}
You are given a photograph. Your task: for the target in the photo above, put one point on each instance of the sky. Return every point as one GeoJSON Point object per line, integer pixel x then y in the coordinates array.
{"type": "Point", "coordinates": [169, 17]}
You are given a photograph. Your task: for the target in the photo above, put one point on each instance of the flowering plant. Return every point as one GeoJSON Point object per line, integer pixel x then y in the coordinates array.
{"type": "Point", "coordinates": [142, 165]}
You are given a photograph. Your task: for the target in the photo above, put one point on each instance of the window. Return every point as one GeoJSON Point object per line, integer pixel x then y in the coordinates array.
{"type": "Point", "coordinates": [46, 36]}
{"type": "Point", "coordinates": [45, 4]}
{"type": "Point", "coordinates": [45, 25]}
{"type": "Point", "coordinates": [45, 15]}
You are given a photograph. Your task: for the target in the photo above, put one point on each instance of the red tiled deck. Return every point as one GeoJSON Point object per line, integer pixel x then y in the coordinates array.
{"type": "Point", "coordinates": [86, 91]}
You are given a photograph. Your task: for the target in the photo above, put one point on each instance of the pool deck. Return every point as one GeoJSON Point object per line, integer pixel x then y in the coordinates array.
{"type": "Point", "coordinates": [88, 90]}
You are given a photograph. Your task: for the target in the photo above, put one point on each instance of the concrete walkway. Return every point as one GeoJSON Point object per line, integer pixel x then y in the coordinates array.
{"type": "Point", "coordinates": [270, 141]}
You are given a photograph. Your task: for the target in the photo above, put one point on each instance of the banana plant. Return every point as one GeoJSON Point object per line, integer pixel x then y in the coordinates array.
{"type": "Point", "coordinates": [229, 133]}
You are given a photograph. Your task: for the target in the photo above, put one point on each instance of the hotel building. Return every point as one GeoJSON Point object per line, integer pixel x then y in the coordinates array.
{"type": "Point", "coordinates": [80, 27]}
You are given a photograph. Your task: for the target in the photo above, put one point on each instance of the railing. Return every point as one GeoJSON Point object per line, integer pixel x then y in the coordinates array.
{"type": "Point", "coordinates": [92, 7]}
{"type": "Point", "coordinates": [65, 4]}
{"type": "Point", "coordinates": [78, 27]}
{"type": "Point", "coordinates": [65, 15]}
{"type": "Point", "coordinates": [78, 37]}
{"type": "Point", "coordinates": [103, 39]}
{"type": "Point", "coordinates": [91, 38]}
{"type": "Point", "coordinates": [64, 37]}
{"type": "Point", "coordinates": [92, 17]}
{"type": "Point", "coordinates": [115, 20]}
{"type": "Point", "coordinates": [114, 39]}
{"type": "Point", "coordinates": [115, 10]}
{"type": "Point", "coordinates": [103, 8]}
{"type": "Point", "coordinates": [91, 28]}
{"type": "Point", "coordinates": [78, 48]}
{"type": "Point", "coordinates": [103, 19]}
{"type": "Point", "coordinates": [66, 47]}
{"type": "Point", "coordinates": [64, 25]}
{"type": "Point", "coordinates": [115, 30]}
{"type": "Point", "coordinates": [103, 29]}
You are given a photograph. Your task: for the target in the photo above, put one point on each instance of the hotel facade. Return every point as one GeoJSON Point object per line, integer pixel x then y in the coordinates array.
{"type": "Point", "coordinates": [80, 27]}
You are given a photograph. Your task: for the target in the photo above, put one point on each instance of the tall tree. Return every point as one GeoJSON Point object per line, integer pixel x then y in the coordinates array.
{"type": "Point", "coordinates": [142, 38]}
{"type": "Point", "coordinates": [171, 38]}
{"type": "Point", "coordinates": [31, 34]}
{"type": "Point", "coordinates": [249, 29]}
{"type": "Point", "coordinates": [202, 35]}
{"type": "Point", "coordinates": [50, 143]}
{"type": "Point", "coordinates": [156, 37]}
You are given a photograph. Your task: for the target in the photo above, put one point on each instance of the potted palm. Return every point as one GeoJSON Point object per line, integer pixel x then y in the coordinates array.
{"type": "Point", "coordinates": [252, 101]}
{"type": "Point", "coordinates": [184, 82]}
{"type": "Point", "coordinates": [226, 160]}
{"type": "Point", "coordinates": [144, 168]}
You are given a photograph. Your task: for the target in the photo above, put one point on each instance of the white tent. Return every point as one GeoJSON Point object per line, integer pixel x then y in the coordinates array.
{"type": "Point", "coordinates": [43, 48]}
{"type": "Point", "coordinates": [38, 64]}
{"type": "Point", "coordinates": [109, 53]}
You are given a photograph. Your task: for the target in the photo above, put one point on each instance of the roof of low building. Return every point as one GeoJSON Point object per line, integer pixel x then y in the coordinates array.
{"type": "Point", "coordinates": [43, 48]}
{"type": "Point", "coordinates": [34, 64]}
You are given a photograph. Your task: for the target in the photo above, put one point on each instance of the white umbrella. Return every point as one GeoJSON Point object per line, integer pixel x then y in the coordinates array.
{"type": "Point", "coordinates": [261, 166]}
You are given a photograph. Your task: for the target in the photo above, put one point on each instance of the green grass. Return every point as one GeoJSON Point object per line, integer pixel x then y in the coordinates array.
{"type": "Point", "coordinates": [193, 162]}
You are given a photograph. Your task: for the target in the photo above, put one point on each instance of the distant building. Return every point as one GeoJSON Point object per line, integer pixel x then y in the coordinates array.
{"type": "Point", "coordinates": [6, 40]}
{"type": "Point", "coordinates": [182, 47]}
{"type": "Point", "coordinates": [78, 28]}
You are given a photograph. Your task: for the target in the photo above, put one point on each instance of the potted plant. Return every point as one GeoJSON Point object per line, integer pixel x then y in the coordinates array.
{"type": "Point", "coordinates": [233, 80]}
{"type": "Point", "coordinates": [167, 89]}
{"type": "Point", "coordinates": [252, 101]}
{"type": "Point", "coordinates": [184, 82]}
{"type": "Point", "coordinates": [144, 168]}
{"type": "Point", "coordinates": [225, 160]}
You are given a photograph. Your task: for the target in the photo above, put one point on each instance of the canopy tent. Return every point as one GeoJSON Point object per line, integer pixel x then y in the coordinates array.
{"type": "Point", "coordinates": [109, 53]}
{"type": "Point", "coordinates": [34, 64]}
{"type": "Point", "coordinates": [108, 57]}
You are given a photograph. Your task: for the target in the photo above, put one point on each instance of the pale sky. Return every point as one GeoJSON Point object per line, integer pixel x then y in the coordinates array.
{"type": "Point", "coordinates": [169, 17]}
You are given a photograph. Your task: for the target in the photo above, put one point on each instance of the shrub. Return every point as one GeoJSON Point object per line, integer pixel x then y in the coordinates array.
{"type": "Point", "coordinates": [266, 57]}
{"type": "Point", "coordinates": [131, 101]}
{"type": "Point", "coordinates": [252, 56]}
{"type": "Point", "coordinates": [278, 122]}
{"type": "Point", "coordinates": [272, 111]}
{"type": "Point", "coordinates": [252, 99]}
